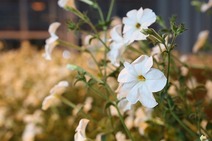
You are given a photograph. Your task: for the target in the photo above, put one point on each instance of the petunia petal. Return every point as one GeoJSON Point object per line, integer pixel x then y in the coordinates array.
{"type": "Point", "coordinates": [139, 14]}
{"type": "Point", "coordinates": [116, 33]}
{"type": "Point", "coordinates": [124, 105]}
{"type": "Point", "coordinates": [53, 28]}
{"type": "Point", "coordinates": [143, 64]}
{"type": "Point", "coordinates": [133, 95]}
{"type": "Point", "coordinates": [148, 17]}
{"type": "Point", "coordinates": [146, 97]}
{"type": "Point", "coordinates": [132, 14]}
{"type": "Point", "coordinates": [125, 76]}
{"type": "Point", "coordinates": [137, 35]}
{"type": "Point", "coordinates": [155, 80]}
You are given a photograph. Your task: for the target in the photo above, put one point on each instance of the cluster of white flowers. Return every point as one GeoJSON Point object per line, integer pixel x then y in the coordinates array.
{"type": "Point", "coordinates": [135, 22]}
{"type": "Point", "coordinates": [138, 80]}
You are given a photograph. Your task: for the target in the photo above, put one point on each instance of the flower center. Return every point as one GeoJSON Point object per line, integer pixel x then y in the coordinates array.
{"type": "Point", "coordinates": [138, 25]}
{"type": "Point", "coordinates": [141, 78]}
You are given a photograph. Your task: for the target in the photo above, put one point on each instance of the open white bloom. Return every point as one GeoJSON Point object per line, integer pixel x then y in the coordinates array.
{"type": "Point", "coordinates": [117, 46]}
{"type": "Point", "coordinates": [206, 6]}
{"type": "Point", "coordinates": [136, 21]}
{"type": "Point", "coordinates": [80, 130]}
{"type": "Point", "coordinates": [52, 98]}
{"type": "Point", "coordinates": [140, 80]}
{"type": "Point", "coordinates": [202, 37]}
{"type": "Point", "coordinates": [51, 41]}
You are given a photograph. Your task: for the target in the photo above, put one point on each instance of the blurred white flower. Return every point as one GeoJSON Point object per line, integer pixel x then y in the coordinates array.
{"type": "Point", "coordinates": [141, 116]}
{"type": "Point", "coordinates": [80, 130]}
{"type": "Point", "coordinates": [183, 58]}
{"type": "Point", "coordinates": [192, 83]}
{"type": "Point", "coordinates": [51, 42]}
{"type": "Point", "coordinates": [36, 117]}
{"type": "Point", "coordinates": [66, 3]}
{"type": "Point", "coordinates": [129, 120]}
{"type": "Point", "coordinates": [120, 136]}
{"type": "Point", "coordinates": [208, 86]}
{"type": "Point", "coordinates": [157, 50]}
{"type": "Point", "coordinates": [49, 101]}
{"type": "Point", "coordinates": [3, 113]}
{"type": "Point", "coordinates": [203, 138]}
{"type": "Point", "coordinates": [99, 137]}
{"type": "Point", "coordinates": [117, 46]}
{"type": "Point", "coordinates": [66, 54]}
{"type": "Point", "coordinates": [71, 3]}
{"type": "Point", "coordinates": [52, 99]}
{"type": "Point", "coordinates": [77, 109]}
{"type": "Point", "coordinates": [202, 37]}
{"type": "Point", "coordinates": [115, 21]}
{"type": "Point", "coordinates": [204, 7]}
{"type": "Point", "coordinates": [173, 88]}
{"type": "Point", "coordinates": [88, 104]}
{"type": "Point", "coordinates": [113, 111]}
{"type": "Point", "coordinates": [30, 131]}
{"type": "Point", "coordinates": [184, 70]}
{"type": "Point", "coordinates": [136, 21]}
{"type": "Point", "coordinates": [93, 44]}
{"type": "Point", "coordinates": [140, 80]}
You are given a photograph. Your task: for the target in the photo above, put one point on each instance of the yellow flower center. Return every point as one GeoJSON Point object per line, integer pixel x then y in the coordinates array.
{"type": "Point", "coordinates": [138, 25]}
{"type": "Point", "coordinates": [141, 78]}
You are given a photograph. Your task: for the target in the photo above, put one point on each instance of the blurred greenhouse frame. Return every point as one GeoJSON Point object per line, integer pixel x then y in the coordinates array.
{"type": "Point", "coordinates": [29, 19]}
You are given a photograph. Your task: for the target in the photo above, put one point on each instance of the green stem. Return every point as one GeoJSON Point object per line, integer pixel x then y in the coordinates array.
{"type": "Point", "coordinates": [208, 135]}
{"type": "Point", "coordinates": [100, 12]}
{"type": "Point", "coordinates": [98, 92]}
{"type": "Point", "coordinates": [64, 43]}
{"type": "Point", "coordinates": [72, 105]}
{"type": "Point", "coordinates": [180, 122]}
{"type": "Point", "coordinates": [94, 59]}
{"type": "Point", "coordinates": [122, 121]}
{"type": "Point", "coordinates": [83, 17]}
{"type": "Point", "coordinates": [110, 10]}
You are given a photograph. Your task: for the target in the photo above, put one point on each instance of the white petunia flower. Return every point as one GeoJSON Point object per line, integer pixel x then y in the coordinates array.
{"type": "Point", "coordinates": [51, 42]}
{"type": "Point", "coordinates": [80, 130]}
{"type": "Point", "coordinates": [204, 7]}
{"type": "Point", "coordinates": [136, 21]}
{"type": "Point", "coordinates": [117, 46]}
{"type": "Point", "coordinates": [140, 80]}
{"type": "Point", "coordinates": [52, 98]}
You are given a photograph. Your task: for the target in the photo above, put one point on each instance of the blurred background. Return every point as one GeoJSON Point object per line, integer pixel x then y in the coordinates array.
{"type": "Point", "coordinates": [29, 19]}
